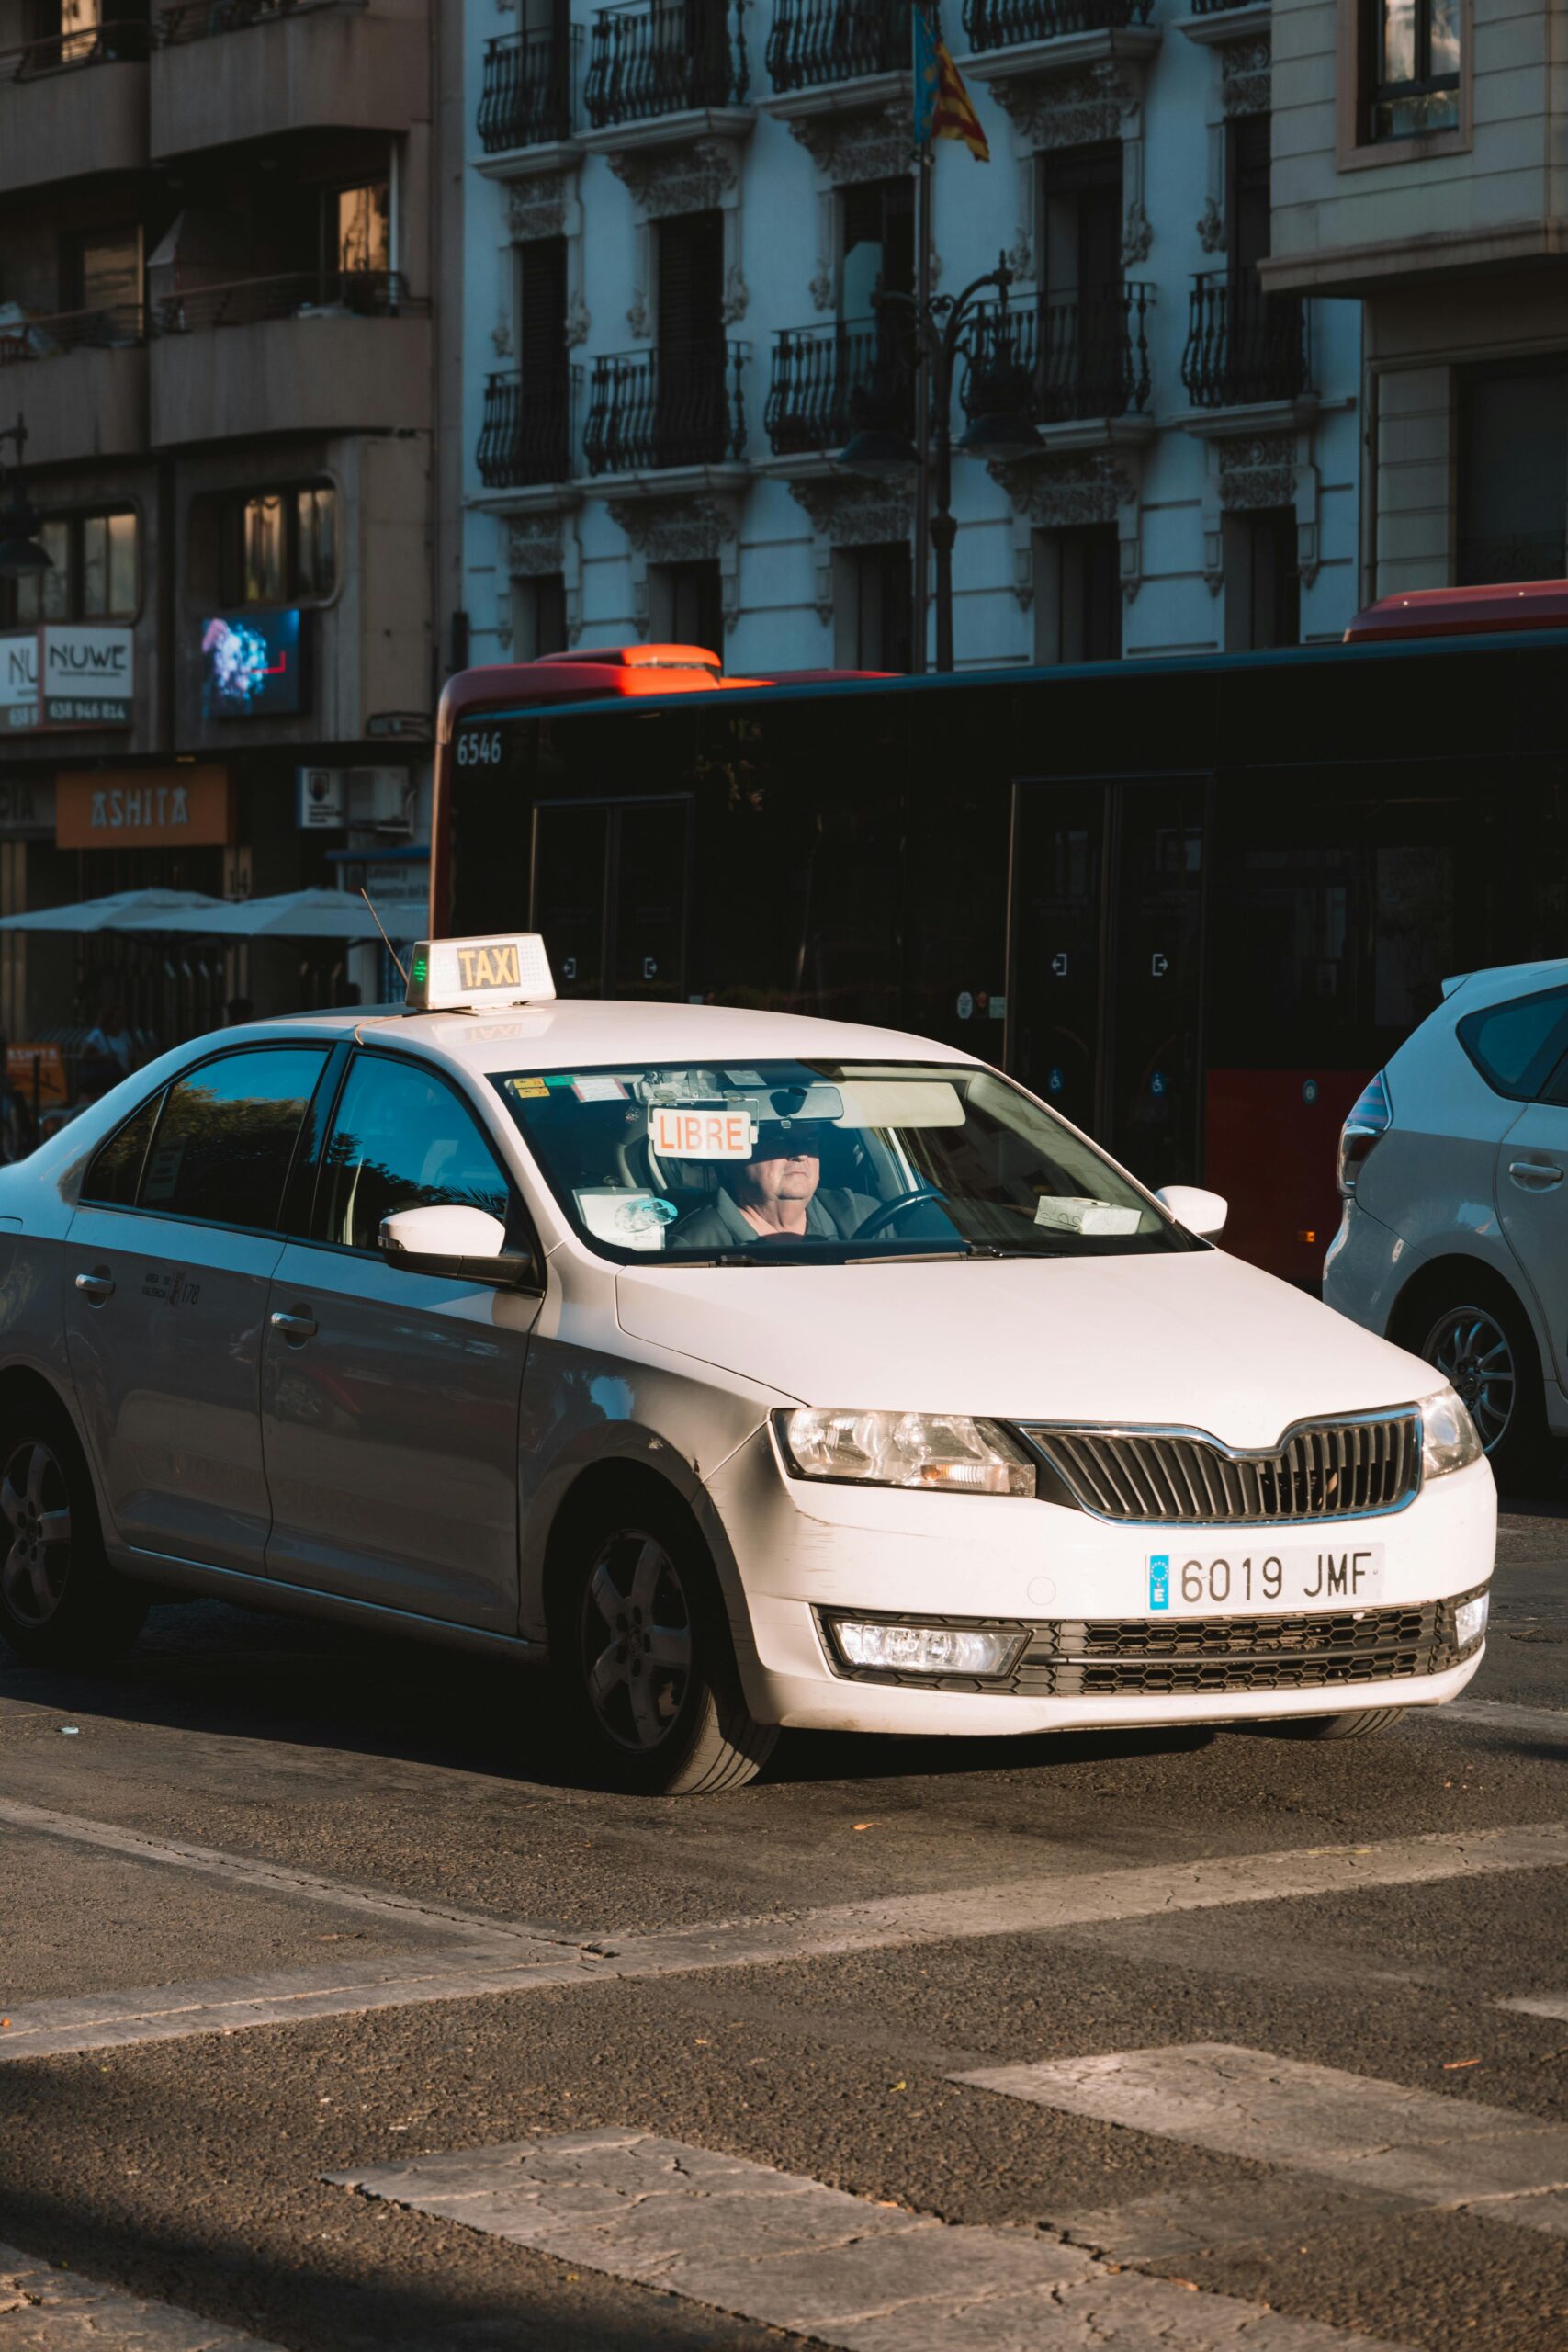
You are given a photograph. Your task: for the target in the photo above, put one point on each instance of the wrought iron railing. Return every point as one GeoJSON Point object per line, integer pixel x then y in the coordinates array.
{"type": "Point", "coordinates": [812, 41]}
{"type": "Point", "coordinates": [831, 381]}
{"type": "Point", "coordinates": [1244, 345]}
{"type": "Point", "coordinates": [112, 44]}
{"type": "Point", "coordinates": [529, 79]}
{"type": "Point", "coordinates": [198, 20]}
{"type": "Point", "coordinates": [367, 293]}
{"type": "Point", "coordinates": [656, 57]}
{"type": "Point", "coordinates": [528, 434]}
{"type": "Point", "coordinates": [651, 410]}
{"type": "Point", "coordinates": [1075, 356]}
{"type": "Point", "coordinates": [998, 24]}
{"type": "Point", "coordinates": [1213, 7]}
{"type": "Point", "coordinates": [115, 326]}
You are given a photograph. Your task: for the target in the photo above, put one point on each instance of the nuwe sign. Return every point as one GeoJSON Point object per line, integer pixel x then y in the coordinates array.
{"type": "Point", "coordinates": [66, 675]}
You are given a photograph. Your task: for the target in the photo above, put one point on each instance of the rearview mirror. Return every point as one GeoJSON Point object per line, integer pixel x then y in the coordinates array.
{"type": "Point", "coordinates": [451, 1239]}
{"type": "Point", "coordinates": [1189, 1205]}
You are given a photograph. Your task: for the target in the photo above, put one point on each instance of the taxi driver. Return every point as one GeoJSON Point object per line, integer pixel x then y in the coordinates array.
{"type": "Point", "coordinates": [774, 1195]}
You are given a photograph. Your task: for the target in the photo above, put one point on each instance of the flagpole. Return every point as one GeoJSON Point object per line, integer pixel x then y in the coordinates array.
{"type": "Point", "coordinates": [924, 157]}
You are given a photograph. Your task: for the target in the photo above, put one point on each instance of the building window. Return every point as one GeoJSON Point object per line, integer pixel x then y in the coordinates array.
{"type": "Point", "coordinates": [685, 605]}
{"type": "Point", "coordinates": [1263, 584]}
{"type": "Point", "coordinates": [279, 547]}
{"type": "Point", "coordinates": [876, 603]}
{"type": "Point", "coordinates": [1412, 67]}
{"type": "Point", "coordinates": [100, 270]}
{"type": "Point", "coordinates": [538, 616]}
{"type": "Point", "coordinates": [1078, 594]}
{"type": "Point", "coordinates": [1513, 471]}
{"type": "Point", "coordinates": [92, 574]}
{"type": "Point", "coordinates": [365, 226]}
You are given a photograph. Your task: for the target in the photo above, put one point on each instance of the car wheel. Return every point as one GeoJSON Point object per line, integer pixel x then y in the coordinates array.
{"type": "Point", "coordinates": [644, 1657]}
{"type": "Point", "coordinates": [1483, 1345]}
{"type": "Point", "coordinates": [61, 1603]}
{"type": "Point", "coordinates": [1349, 1726]}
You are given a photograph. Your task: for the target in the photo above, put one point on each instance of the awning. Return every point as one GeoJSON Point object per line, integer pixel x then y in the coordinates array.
{"type": "Point", "coordinates": [340, 915]}
{"type": "Point", "coordinates": [124, 911]}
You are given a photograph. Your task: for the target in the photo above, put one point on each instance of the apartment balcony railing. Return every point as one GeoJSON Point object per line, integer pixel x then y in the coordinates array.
{"type": "Point", "coordinates": [1001, 24]}
{"type": "Point", "coordinates": [528, 92]}
{"type": "Point", "coordinates": [648, 411]}
{"type": "Point", "coordinates": [830, 382]}
{"type": "Point", "coordinates": [1066, 358]}
{"type": "Point", "coordinates": [117, 44]}
{"type": "Point", "coordinates": [198, 20]}
{"type": "Point", "coordinates": [118, 326]}
{"type": "Point", "coordinates": [659, 57]}
{"type": "Point", "coordinates": [302, 294]}
{"type": "Point", "coordinates": [1243, 346]}
{"type": "Point", "coordinates": [528, 436]}
{"type": "Point", "coordinates": [1215, 7]}
{"type": "Point", "coordinates": [814, 42]}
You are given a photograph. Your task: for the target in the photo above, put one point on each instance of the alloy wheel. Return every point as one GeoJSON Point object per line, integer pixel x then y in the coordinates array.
{"type": "Point", "coordinates": [36, 1503]}
{"type": "Point", "coordinates": [635, 1640]}
{"type": "Point", "coordinates": [1475, 1355]}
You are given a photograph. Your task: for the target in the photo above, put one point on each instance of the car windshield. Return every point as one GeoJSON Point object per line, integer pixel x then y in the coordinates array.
{"type": "Point", "coordinates": [805, 1162]}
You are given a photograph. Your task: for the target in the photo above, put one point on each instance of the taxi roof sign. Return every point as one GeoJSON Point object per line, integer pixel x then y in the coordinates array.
{"type": "Point", "coordinates": [460, 975]}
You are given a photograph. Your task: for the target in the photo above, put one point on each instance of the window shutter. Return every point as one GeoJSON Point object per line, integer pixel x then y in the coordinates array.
{"type": "Point", "coordinates": [542, 301]}
{"type": "Point", "coordinates": [690, 281]}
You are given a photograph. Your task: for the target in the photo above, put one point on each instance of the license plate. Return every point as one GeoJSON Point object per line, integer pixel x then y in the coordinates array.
{"type": "Point", "coordinates": [1193, 1584]}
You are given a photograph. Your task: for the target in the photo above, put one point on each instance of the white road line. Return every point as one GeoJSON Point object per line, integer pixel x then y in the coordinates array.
{"type": "Point", "coordinates": [43, 2309]}
{"type": "Point", "coordinates": [1435, 2152]}
{"type": "Point", "coordinates": [1537, 2005]}
{"type": "Point", "coordinates": [505, 1963]}
{"type": "Point", "coordinates": [788, 2251]}
{"type": "Point", "coordinates": [1497, 1715]}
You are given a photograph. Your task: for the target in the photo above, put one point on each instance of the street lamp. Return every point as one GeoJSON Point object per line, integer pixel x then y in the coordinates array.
{"type": "Point", "coordinates": [1000, 426]}
{"type": "Point", "coordinates": [22, 558]}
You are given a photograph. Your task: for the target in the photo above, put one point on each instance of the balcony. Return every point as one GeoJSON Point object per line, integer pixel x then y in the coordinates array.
{"type": "Point", "coordinates": [1245, 347]}
{"type": "Point", "coordinates": [226, 71]}
{"type": "Point", "coordinates": [88, 398]}
{"type": "Point", "coordinates": [527, 98]}
{"type": "Point", "coordinates": [829, 383]}
{"type": "Point", "coordinates": [649, 411]}
{"type": "Point", "coordinates": [1073, 360]}
{"type": "Point", "coordinates": [71, 97]}
{"type": "Point", "coordinates": [528, 441]}
{"type": "Point", "coordinates": [314, 352]}
{"type": "Point", "coordinates": [1004, 24]}
{"type": "Point", "coordinates": [654, 59]}
{"type": "Point", "coordinates": [817, 41]}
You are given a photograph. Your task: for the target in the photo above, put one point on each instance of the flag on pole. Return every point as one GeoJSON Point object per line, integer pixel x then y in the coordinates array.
{"type": "Point", "coordinates": [943, 108]}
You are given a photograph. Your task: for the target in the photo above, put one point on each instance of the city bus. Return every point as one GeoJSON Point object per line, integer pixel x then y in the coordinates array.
{"type": "Point", "coordinates": [1192, 902]}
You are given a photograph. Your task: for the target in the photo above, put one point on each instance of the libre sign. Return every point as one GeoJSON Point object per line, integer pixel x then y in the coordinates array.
{"type": "Point", "coordinates": [86, 674]}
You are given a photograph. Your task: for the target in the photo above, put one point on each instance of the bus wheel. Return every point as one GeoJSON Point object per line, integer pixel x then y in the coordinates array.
{"type": "Point", "coordinates": [643, 1657]}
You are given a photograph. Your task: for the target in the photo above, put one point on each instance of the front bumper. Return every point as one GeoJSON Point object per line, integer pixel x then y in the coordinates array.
{"type": "Point", "coordinates": [802, 1547]}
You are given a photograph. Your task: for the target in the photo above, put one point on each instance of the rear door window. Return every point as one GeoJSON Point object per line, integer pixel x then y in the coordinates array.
{"type": "Point", "coordinates": [222, 1149]}
{"type": "Point", "coordinates": [1517, 1046]}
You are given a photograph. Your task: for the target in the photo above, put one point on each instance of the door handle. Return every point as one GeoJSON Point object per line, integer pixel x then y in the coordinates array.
{"type": "Point", "coordinates": [97, 1286]}
{"type": "Point", "coordinates": [1534, 1175]}
{"type": "Point", "coordinates": [300, 1325]}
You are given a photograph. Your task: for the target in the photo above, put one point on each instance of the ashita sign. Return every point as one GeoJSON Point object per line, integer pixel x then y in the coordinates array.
{"type": "Point", "coordinates": [65, 676]}
{"type": "Point", "coordinates": [188, 808]}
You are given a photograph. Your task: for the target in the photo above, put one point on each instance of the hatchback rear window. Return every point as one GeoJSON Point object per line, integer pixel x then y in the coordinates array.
{"type": "Point", "coordinates": [1517, 1047]}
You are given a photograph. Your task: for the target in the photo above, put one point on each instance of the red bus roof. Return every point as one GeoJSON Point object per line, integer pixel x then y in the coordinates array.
{"type": "Point", "coordinates": [1462, 612]}
{"type": "Point", "coordinates": [603, 673]}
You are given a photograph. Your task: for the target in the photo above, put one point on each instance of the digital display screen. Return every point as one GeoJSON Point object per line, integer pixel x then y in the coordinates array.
{"type": "Point", "coordinates": [252, 665]}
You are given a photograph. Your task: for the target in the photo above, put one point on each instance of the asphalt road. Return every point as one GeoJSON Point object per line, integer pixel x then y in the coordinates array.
{"type": "Point", "coordinates": [653, 2010]}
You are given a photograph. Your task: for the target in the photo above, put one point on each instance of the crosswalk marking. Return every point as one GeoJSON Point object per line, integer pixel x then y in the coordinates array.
{"type": "Point", "coordinates": [523, 1959]}
{"type": "Point", "coordinates": [1537, 2005]}
{"type": "Point", "coordinates": [1421, 2147]}
{"type": "Point", "coordinates": [794, 2253]}
{"type": "Point", "coordinates": [45, 2310]}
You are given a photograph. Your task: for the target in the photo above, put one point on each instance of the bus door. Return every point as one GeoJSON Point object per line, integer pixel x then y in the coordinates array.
{"type": "Point", "coordinates": [1106, 956]}
{"type": "Point", "coordinates": [612, 893]}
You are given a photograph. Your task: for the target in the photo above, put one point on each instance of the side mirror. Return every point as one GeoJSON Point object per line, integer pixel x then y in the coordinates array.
{"type": "Point", "coordinates": [1189, 1205]}
{"type": "Point", "coordinates": [451, 1239]}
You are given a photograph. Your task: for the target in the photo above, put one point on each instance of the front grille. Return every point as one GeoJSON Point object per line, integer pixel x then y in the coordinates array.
{"type": "Point", "coordinates": [1179, 1478]}
{"type": "Point", "coordinates": [1125, 1657]}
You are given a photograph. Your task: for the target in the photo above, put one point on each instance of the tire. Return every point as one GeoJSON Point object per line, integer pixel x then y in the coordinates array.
{"type": "Point", "coordinates": [61, 1603]}
{"type": "Point", "coordinates": [1479, 1338]}
{"type": "Point", "coordinates": [1356, 1726]}
{"type": "Point", "coordinates": [642, 1655]}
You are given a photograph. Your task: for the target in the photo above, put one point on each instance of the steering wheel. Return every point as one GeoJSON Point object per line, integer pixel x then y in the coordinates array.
{"type": "Point", "coordinates": [887, 1211]}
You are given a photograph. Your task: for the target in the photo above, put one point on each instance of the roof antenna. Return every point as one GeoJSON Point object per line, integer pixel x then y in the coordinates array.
{"type": "Point", "coordinates": [402, 968]}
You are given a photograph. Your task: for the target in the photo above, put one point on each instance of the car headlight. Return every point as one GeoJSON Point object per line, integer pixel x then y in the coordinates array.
{"type": "Point", "coordinates": [1449, 1437]}
{"type": "Point", "coordinates": [882, 1645]}
{"type": "Point", "coordinates": [947, 1451]}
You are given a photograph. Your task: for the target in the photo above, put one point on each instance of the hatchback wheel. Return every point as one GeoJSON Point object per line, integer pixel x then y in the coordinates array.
{"type": "Point", "coordinates": [644, 1656]}
{"type": "Point", "coordinates": [1484, 1346]}
{"type": "Point", "coordinates": [61, 1603]}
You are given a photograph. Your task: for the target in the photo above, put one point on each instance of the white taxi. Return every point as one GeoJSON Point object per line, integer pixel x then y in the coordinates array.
{"type": "Point", "coordinates": [746, 1370]}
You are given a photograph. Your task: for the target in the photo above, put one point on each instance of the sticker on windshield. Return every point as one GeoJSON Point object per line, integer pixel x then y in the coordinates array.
{"type": "Point", "coordinates": [629, 1220]}
{"type": "Point", "coordinates": [527, 1090]}
{"type": "Point", "coordinates": [700, 1131]}
{"type": "Point", "coordinates": [1159, 1579]}
{"type": "Point", "coordinates": [598, 1089]}
{"type": "Point", "coordinates": [1075, 1213]}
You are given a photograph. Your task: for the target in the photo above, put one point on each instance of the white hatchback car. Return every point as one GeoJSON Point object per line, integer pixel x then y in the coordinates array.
{"type": "Point", "coordinates": [1452, 1242]}
{"type": "Point", "coordinates": [751, 1370]}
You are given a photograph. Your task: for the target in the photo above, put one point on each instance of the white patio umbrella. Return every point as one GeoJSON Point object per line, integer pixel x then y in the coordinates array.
{"type": "Point", "coordinates": [301, 914]}
{"type": "Point", "coordinates": [122, 911]}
